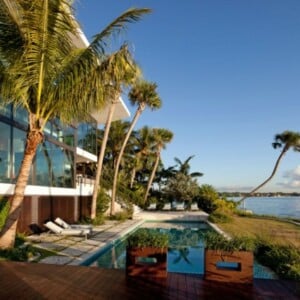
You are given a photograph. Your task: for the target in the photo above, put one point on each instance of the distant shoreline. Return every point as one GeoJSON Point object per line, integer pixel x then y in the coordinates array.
{"type": "Point", "coordinates": [277, 194]}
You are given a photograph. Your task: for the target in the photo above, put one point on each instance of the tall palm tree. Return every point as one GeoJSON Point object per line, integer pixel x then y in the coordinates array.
{"type": "Point", "coordinates": [143, 94]}
{"type": "Point", "coordinates": [121, 71]}
{"type": "Point", "coordinates": [161, 138]}
{"type": "Point", "coordinates": [285, 140]}
{"type": "Point", "coordinates": [114, 143]}
{"type": "Point", "coordinates": [184, 167]}
{"type": "Point", "coordinates": [143, 143]}
{"type": "Point", "coordinates": [43, 72]}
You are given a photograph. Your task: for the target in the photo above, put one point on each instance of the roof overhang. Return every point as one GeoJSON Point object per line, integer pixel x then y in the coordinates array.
{"type": "Point", "coordinates": [83, 156]}
{"type": "Point", "coordinates": [121, 112]}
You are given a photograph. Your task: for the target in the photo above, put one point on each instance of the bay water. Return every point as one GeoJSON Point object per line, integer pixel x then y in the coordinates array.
{"type": "Point", "coordinates": [275, 206]}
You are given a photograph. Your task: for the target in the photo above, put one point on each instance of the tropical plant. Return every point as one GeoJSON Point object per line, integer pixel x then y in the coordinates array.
{"type": "Point", "coordinates": [121, 71]}
{"type": "Point", "coordinates": [182, 188]}
{"type": "Point", "coordinates": [285, 140]}
{"type": "Point", "coordinates": [143, 148]}
{"type": "Point", "coordinates": [184, 167]}
{"type": "Point", "coordinates": [207, 197]}
{"type": "Point", "coordinates": [143, 94]}
{"type": "Point", "coordinates": [43, 72]}
{"type": "Point", "coordinates": [161, 138]}
{"type": "Point", "coordinates": [148, 238]}
{"type": "Point", "coordinates": [216, 241]}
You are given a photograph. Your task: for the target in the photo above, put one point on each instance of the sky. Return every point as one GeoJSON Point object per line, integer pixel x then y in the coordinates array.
{"type": "Point", "coordinates": [228, 76]}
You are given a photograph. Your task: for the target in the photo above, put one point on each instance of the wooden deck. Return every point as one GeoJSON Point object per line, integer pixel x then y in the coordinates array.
{"type": "Point", "coordinates": [42, 281]}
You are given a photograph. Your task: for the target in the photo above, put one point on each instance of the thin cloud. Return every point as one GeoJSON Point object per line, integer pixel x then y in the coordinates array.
{"type": "Point", "coordinates": [292, 179]}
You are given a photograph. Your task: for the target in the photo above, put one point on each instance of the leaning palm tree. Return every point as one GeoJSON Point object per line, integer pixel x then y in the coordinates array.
{"type": "Point", "coordinates": [43, 72]}
{"type": "Point", "coordinates": [161, 137]}
{"type": "Point", "coordinates": [144, 94]}
{"type": "Point", "coordinates": [121, 71]}
{"type": "Point", "coordinates": [285, 140]}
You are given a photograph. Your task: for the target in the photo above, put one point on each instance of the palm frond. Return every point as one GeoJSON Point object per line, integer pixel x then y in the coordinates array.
{"type": "Point", "coordinates": [99, 42]}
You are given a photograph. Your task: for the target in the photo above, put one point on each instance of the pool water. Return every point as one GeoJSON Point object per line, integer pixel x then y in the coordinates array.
{"type": "Point", "coordinates": [185, 250]}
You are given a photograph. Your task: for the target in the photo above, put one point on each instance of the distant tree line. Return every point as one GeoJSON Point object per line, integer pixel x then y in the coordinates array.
{"type": "Point", "coordinates": [273, 194]}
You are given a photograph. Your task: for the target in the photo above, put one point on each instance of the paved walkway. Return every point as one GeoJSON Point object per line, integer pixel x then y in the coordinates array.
{"type": "Point", "coordinates": [73, 250]}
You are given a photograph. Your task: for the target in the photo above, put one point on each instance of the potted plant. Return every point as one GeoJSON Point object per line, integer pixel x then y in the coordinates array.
{"type": "Point", "coordinates": [146, 253]}
{"type": "Point", "coordinates": [228, 260]}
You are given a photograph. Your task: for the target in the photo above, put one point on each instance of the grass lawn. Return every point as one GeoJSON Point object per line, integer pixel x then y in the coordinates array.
{"type": "Point", "coordinates": [274, 230]}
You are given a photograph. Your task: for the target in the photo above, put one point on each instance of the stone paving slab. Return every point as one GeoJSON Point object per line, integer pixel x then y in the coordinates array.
{"type": "Point", "coordinates": [50, 246]}
{"type": "Point", "coordinates": [71, 252]}
{"type": "Point", "coordinates": [57, 260]}
{"type": "Point", "coordinates": [75, 250]}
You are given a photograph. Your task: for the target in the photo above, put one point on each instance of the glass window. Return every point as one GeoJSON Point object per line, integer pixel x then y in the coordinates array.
{"type": "Point", "coordinates": [21, 115]}
{"type": "Point", "coordinates": [5, 153]}
{"type": "Point", "coordinates": [63, 167]}
{"type": "Point", "coordinates": [6, 111]}
{"type": "Point", "coordinates": [87, 137]}
{"type": "Point", "coordinates": [44, 165]}
{"type": "Point", "coordinates": [54, 166]}
{"type": "Point", "coordinates": [62, 133]}
{"type": "Point", "coordinates": [69, 135]}
{"type": "Point", "coordinates": [19, 140]}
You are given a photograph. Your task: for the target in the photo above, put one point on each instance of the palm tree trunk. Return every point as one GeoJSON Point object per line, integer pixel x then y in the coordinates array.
{"type": "Point", "coordinates": [116, 171]}
{"type": "Point", "coordinates": [152, 176]}
{"type": "Point", "coordinates": [8, 233]}
{"type": "Point", "coordinates": [284, 150]}
{"type": "Point", "coordinates": [133, 172]}
{"type": "Point", "coordinates": [100, 159]}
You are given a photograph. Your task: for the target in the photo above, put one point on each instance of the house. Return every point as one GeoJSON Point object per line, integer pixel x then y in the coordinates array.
{"type": "Point", "coordinates": [59, 184]}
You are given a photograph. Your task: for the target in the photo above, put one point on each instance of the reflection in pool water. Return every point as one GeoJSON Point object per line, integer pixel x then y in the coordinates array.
{"type": "Point", "coordinates": [185, 251]}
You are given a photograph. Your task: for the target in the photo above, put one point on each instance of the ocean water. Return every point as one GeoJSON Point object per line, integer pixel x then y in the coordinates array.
{"type": "Point", "coordinates": [275, 206]}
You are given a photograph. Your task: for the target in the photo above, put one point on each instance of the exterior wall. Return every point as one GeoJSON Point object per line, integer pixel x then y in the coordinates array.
{"type": "Point", "coordinates": [38, 209]}
{"type": "Point", "coordinates": [52, 190]}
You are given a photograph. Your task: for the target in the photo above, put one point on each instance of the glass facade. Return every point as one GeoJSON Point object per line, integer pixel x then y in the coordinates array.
{"type": "Point", "coordinates": [54, 166]}
{"type": "Point", "coordinates": [86, 136]}
{"type": "Point", "coordinates": [5, 153]}
{"type": "Point", "coordinates": [54, 162]}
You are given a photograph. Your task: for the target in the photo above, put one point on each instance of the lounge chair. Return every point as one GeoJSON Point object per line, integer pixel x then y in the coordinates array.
{"type": "Point", "coordinates": [58, 230]}
{"type": "Point", "coordinates": [65, 225]}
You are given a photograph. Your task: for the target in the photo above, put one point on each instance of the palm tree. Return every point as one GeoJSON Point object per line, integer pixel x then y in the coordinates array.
{"type": "Point", "coordinates": [161, 138]}
{"type": "Point", "coordinates": [285, 140]}
{"type": "Point", "coordinates": [184, 167]}
{"type": "Point", "coordinates": [122, 71]}
{"type": "Point", "coordinates": [143, 143]}
{"type": "Point", "coordinates": [114, 143]}
{"type": "Point", "coordinates": [42, 71]}
{"type": "Point", "coordinates": [144, 94]}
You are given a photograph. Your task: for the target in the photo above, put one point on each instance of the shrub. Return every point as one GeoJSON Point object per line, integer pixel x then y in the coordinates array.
{"type": "Point", "coordinates": [4, 209]}
{"type": "Point", "coordinates": [148, 238]}
{"type": "Point", "coordinates": [215, 241]}
{"type": "Point", "coordinates": [103, 201]}
{"type": "Point", "coordinates": [121, 215]}
{"type": "Point", "coordinates": [283, 259]}
{"type": "Point", "coordinates": [206, 198]}
{"type": "Point", "coordinates": [220, 217]}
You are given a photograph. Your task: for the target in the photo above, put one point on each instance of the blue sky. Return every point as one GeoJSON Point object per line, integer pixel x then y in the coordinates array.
{"type": "Point", "coordinates": [228, 74]}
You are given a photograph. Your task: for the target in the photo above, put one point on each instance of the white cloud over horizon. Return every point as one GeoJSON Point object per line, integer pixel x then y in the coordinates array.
{"type": "Point", "coordinates": [292, 179]}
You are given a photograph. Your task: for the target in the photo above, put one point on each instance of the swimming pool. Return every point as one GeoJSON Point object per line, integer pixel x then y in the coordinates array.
{"type": "Point", "coordinates": [185, 251]}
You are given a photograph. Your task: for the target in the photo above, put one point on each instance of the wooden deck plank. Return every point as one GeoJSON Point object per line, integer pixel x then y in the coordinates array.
{"type": "Point", "coordinates": [41, 281]}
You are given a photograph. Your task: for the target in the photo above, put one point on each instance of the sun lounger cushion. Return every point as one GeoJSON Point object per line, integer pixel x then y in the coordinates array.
{"type": "Point", "coordinates": [65, 225]}
{"type": "Point", "coordinates": [71, 231]}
